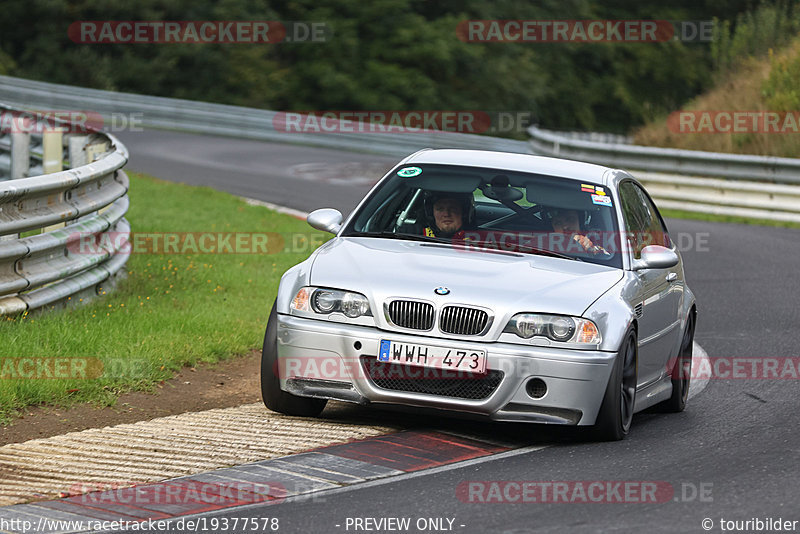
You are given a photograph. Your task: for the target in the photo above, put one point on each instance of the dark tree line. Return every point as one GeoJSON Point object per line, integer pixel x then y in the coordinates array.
{"type": "Point", "coordinates": [383, 54]}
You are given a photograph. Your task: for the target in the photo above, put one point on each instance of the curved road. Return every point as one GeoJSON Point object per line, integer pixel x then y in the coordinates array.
{"type": "Point", "coordinates": [733, 454]}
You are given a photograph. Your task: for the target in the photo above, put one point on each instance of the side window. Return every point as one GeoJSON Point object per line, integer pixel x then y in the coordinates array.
{"type": "Point", "coordinates": [389, 210]}
{"type": "Point", "coordinates": [656, 231]}
{"type": "Point", "coordinates": [643, 224]}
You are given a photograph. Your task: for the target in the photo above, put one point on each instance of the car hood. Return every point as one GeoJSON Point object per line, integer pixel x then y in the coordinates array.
{"type": "Point", "coordinates": [505, 283]}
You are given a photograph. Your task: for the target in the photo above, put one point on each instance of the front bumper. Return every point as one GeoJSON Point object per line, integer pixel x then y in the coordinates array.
{"type": "Point", "coordinates": [318, 358]}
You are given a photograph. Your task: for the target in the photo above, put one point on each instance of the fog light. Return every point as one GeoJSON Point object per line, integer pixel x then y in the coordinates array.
{"type": "Point", "coordinates": [536, 388]}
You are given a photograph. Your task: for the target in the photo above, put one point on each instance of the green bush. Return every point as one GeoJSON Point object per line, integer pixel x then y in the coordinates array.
{"type": "Point", "coordinates": [753, 34]}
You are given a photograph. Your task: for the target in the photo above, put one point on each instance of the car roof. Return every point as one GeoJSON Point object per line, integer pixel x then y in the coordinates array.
{"type": "Point", "coordinates": [509, 161]}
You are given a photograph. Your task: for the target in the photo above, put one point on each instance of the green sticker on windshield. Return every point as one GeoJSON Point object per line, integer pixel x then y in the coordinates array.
{"type": "Point", "coordinates": [408, 172]}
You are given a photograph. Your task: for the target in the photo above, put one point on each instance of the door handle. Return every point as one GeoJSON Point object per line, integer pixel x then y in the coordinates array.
{"type": "Point", "coordinates": [671, 277]}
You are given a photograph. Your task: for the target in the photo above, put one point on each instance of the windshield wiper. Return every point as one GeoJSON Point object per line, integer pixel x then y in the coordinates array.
{"type": "Point", "coordinates": [517, 247]}
{"type": "Point", "coordinates": [402, 236]}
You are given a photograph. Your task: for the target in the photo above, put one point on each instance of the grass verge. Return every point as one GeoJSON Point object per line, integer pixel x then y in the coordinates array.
{"type": "Point", "coordinates": [172, 310]}
{"type": "Point", "coordinates": [710, 217]}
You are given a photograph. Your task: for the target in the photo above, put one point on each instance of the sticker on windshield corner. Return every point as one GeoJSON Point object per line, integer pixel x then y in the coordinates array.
{"type": "Point", "coordinates": [603, 200]}
{"type": "Point", "coordinates": [409, 172]}
{"type": "Point", "coordinates": [596, 189]}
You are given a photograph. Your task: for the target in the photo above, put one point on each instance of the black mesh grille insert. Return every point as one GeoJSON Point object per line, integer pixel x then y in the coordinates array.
{"type": "Point", "coordinates": [414, 379]}
{"type": "Point", "coordinates": [463, 321]}
{"type": "Point", "coordinates": [411, 314]}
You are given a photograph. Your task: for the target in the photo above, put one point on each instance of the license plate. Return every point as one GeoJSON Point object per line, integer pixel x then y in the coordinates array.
{"type": "Point", "coordinates": [469, 360]}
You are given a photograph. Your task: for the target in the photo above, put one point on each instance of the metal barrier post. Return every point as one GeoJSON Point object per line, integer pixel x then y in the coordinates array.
{"type": "Point", "coordinates": [20, 152]}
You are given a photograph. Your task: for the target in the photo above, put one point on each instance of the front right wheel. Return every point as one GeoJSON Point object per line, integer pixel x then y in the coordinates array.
{"type": "Point", "coordinates": [274, 397]}
{"type": "Point", "coordinates": [616, 413]}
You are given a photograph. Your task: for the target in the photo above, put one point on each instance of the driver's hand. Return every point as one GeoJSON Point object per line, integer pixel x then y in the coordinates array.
{"type": "Point", "coordinates": [584, 241]}
{"type": "Point", "coordinates": [587, 244]}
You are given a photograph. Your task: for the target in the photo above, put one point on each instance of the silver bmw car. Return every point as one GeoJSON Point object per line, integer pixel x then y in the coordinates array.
{"type": "Point", "coordinates": [496, 285]}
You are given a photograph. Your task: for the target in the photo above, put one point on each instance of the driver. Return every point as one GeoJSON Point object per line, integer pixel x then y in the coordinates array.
{"type": "Point", "coordinates": [567, 221]}
{"type": "Point", "coordinates": [446, 214]}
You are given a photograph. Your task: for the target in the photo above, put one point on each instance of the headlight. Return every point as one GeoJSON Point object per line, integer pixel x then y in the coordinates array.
{"type": "Point", "coordinates": [556, 327]}
{"type": "Point", "coordinates": [354, 305]}
{"type": "Point", "coordinates": [561, 328]}
{"type": "Point", "coordinates": [326, 301]}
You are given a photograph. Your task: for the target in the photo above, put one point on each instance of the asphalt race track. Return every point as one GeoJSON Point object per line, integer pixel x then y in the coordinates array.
{"type": "Point", "coordinates": [263, 171]}
{"type": "Point", "coordinates": [733, 454]}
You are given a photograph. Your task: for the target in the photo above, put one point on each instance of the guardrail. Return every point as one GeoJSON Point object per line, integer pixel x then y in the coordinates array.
{"type": "Point", "coordinates": [669, 160]}
{"type": "Point", "coordinates": [596, 137]}
{"type": "Point", "coordinates": [235, 121]}
{"type": "Point", "coordinates": [661, 169]}
{"type": "Point", "coordinates": [61, 210]}
{"type": "Point", "coordinates": [729, 194]}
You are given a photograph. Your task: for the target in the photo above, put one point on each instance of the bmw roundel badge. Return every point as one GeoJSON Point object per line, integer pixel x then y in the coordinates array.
{"type": "Point", "coordinates": [441, 291]}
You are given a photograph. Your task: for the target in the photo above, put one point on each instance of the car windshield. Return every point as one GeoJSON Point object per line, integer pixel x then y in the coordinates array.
{"type": "Point", "coordinates": [488, 208]}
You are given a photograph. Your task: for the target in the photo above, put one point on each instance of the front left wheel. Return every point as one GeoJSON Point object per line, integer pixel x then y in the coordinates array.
{"type": "Point", "coordinates": [274, 397]}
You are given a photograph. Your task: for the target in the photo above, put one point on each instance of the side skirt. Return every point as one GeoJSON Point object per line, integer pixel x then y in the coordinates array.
{"type": "Point", "coordinates": [653, 394]}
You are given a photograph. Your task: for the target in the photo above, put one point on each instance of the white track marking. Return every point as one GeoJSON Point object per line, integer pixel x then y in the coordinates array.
{"type": "Point", "coordinates": [696, 385]}
{"type": "Point", "coordinates": [274, 207]}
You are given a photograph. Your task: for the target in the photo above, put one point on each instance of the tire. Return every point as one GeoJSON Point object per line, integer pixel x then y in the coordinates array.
{"type": "Point", "coordinates": [274, 397]}
{"type": "Point", "coordinates": [616, 412]}
{"type": "Point", "coordinates": [681, 371]}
